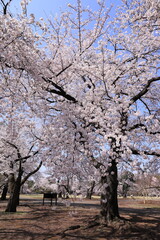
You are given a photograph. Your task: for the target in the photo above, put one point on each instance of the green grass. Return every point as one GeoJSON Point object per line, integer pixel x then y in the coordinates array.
{"type": "Point", "coordinates": [40, 196]}
{"type": "Point", "coordinates": [31, 196]}
{"type": "Point", "coordinates": [13, 213]}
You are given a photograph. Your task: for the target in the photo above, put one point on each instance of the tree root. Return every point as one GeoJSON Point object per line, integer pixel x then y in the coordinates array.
{"type": "Point", "coordinates": [71, 228]}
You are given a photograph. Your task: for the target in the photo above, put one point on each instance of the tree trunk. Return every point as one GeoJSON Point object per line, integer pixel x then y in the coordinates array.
{"type": "Point", "coordinates": [109, 198]}
{"type": "Point", "coordinates": [14, 198]}
{"type": "Point", "coordinates": [11, 182]}
{"type": "Point", "coordinates": [16, 186]}
{"type": "Point", "coordinates": [90, 190]}
{"type": "Point", "coordinates": [4, 192]}
{"type": "Point", "coordinates": [125, 188]}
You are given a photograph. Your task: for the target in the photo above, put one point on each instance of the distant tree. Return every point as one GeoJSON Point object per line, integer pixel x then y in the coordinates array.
{"type": "Point", "coordinates": [90, 190]}
{"type": "Point", "coordinates": [3, 186]}
{"type": "Point", "coordinates": [4, 192]}
{"type": "Point", "coordinates": [126, 181]}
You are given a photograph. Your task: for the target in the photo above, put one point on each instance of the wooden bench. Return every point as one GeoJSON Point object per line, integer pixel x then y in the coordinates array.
{"type": "Point", "coordinates": [51, 196]}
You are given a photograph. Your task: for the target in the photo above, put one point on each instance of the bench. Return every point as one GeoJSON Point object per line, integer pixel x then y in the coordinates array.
{"type": "Point", "coordinates": [51, 196]}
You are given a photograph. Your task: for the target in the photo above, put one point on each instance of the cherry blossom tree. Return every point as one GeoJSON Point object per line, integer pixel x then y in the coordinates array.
{"type": "Point", "coordinates": [19, 158]}
{"type": "Point", "coordinates": [18, 147]}
{"type": "Point", "coordinates": [64, 159]}
{"type": "Point", "coordinates": [114, 91]}
{"type": "Point", "coordinates": [99, 78]}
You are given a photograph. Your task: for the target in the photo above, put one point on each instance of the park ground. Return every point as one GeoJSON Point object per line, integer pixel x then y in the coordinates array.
{"type": "Point", "coordinates": [77, 219]}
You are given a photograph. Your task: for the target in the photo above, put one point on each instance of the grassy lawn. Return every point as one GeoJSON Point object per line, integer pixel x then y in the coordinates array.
{"type": "Point", "coordinates": [31, 196]}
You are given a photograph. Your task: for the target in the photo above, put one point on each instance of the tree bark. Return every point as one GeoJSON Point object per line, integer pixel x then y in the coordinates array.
{"type": "Point", "coordinates": [125, 188]}
{"type": "Point", "coordinates": [109, 198]}
{"type": "Point", "coordinates": [14, 196]}
{"type": "Point", "coordinates": [15, 191]}
{"type": "Point", "coordinates": [90, 190]}
{"type": "Point", "coordinates": [11, 182]}
{"type": "Point", "coordinates": [16, 186]}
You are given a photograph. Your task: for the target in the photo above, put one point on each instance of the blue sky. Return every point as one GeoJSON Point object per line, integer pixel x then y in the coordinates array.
{"type": "Point", "coordinates": [44, 8]}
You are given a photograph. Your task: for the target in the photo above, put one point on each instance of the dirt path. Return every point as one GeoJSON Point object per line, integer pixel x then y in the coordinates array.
{"type": "Point", "coordinates": [78, 222]}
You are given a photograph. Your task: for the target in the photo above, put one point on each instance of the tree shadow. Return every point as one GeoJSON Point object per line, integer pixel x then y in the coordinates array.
{"type": "Point", "coordinates": [39, 222]}
{"type": "Point", "coordinates": [19, 234]}
{"type": "Point", "coordinates": [142, 225]}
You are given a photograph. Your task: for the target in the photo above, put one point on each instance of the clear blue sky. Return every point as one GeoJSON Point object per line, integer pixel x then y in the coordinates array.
{"type": "Point", "coordinates": [44, 8]}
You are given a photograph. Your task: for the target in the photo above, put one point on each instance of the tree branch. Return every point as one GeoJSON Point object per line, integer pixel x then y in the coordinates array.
{"type": "Point", "coordinates": [31, 173]}
{"type": "Point", "coordinates": [64, 69]}
{"type": "Point", "coordinates": [26, 157]}
{"type": "Point", "coordinates": [137, 152]}
{"type": "Point", "coordinates": [144, 90]}
{"type": "Point", "coordinates": [138, 125]}
{"type": "Point", "coordinates": [5, 6]}
{"type": "Point", "coordinates": [60, 91]}
{"type": "Point", "coordinates": [63, 94]}
{"type": "Point", "coordinates": [146, 106]}
{"type": "Point", "coordinates": [144, 128]}
{"type": "Point", "coordinates": [14, 146]}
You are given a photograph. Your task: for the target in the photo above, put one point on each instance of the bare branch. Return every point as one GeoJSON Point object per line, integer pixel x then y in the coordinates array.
{"type": "Point", "coordinates": [30, 148]}
{"type": "Point", "coordinates": [60, 91]}
{"type": "Point", "coordinates": [137, 152]}
{"type": "Point", "coordinates": [37, 137]}
{"type": "Point", "coordinates": [14, 146]}
{"type": "Point", "coordinates": [26, 157]}
{"type": "Point", "coordinates": [5, 5]}
{"type": "Point", "coordinates": [138, 125]}
{"type": "Point", "coordinates": [146, 106]}
{"type": "Point", "coordinates": [144, 90]}
{"type": "Point", "coordinates": [31, 173]}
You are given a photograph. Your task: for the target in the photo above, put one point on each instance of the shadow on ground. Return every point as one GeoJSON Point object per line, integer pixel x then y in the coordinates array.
{"type": "Point", "coordinates": [76, 221]}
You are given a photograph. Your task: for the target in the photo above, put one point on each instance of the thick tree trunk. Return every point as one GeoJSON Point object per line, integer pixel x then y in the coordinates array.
{"type": "Point", "coordinates": [4, 192]}
{"type": "Point", "coordinates": [16, 187]}
{"type": "Point", "coordinates": [11, 182]}
{"type": "Point", "coordinates": [14, 199]}
{"type": "Point", "coordinates": [14, 196]}
{"type": "Point", "coordinates": [109, 198]}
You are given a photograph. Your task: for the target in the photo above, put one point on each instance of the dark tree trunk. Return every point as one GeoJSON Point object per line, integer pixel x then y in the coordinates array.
{"type": "Point", "coordinates": [90, 190]}
{"type": "Point", "coordinates": [14, 197]}
{"type": "Point", "coordinates": [109, 198]}
{"type": "Point", "coordinates": [125, 188]}
{"type": "Point", "coordinates": [15, 193]}
{"type": "Point", "coordinates": [4, 192]}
